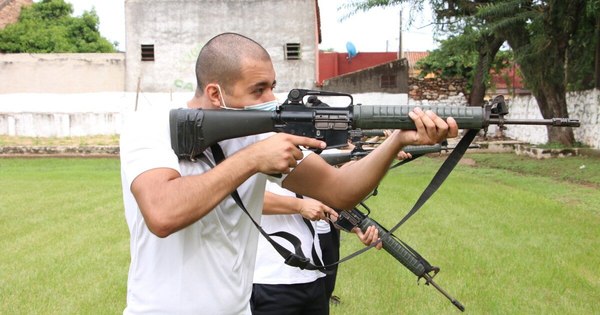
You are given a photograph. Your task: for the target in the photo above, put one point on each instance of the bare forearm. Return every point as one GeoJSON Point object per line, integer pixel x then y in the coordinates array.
{"type": "Point", "coordinates": [277, 204]}
{"type": "Point", "coordinates": [361, 177]}
{"type": "Point", "coordinates": [170, 202]}
{"type": "Point", "coordinates": [345, 187]}
{"type": "Point", "coordinates": [357, 180]}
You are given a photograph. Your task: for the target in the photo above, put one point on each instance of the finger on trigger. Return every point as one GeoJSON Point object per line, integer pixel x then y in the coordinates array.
{"type": "Point", "coordinates": [309, 142]}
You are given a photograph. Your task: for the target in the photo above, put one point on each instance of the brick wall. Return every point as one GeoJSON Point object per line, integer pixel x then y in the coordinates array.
{"type": "Point", "coordinates": [434, 89]}
{"type": "Point", "coordinates": [10, 10]}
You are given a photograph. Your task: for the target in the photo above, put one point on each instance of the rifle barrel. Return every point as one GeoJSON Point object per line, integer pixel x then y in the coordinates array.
{"type": "Point", "coordinates": [454, 301]}
{"type": "Point", "coordinates": [559, 122]}
{"type": "Point", "coordinates": [415, 150]}
{"type": "Point", "coordinates": [373, 133]}
{"type": "Point", "coordinates": [406, 258]}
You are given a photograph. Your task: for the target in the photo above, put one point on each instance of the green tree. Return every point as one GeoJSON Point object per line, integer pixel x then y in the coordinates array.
{"type": "Point", "coordinates": [470, 37]}
{"type": "Point", "coordinates": [542, 34]}
{"type": "Point", "coordinates": [463, 56]}
{"type": "Point", "coordinates": [48, 27]}
{"type": "Point", "coordinates": [583, 55]}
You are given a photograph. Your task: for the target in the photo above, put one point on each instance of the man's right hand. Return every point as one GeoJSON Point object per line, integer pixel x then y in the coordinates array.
{"type": "Point", "coordinates": [314, 210]}
{"type": "Point", "coordinates": [280, 152]}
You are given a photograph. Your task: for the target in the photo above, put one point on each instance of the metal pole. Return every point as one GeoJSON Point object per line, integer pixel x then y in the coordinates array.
{"type": "Point", "coordinates": [400, 37]}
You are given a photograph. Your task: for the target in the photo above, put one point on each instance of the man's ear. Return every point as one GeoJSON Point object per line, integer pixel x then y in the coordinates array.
{"type": "Point", "coordinates": [212, 93]}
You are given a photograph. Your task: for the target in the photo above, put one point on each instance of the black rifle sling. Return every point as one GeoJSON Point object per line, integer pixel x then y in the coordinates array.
{"type": "Point", "coordinates": [433, 186]}
{"type": "Point", "coordinates": [309, 225]}
{"type": "Point", "coordinates": [297, 259]}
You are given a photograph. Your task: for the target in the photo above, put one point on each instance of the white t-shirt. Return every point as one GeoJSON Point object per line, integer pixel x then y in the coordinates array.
{"type": "Point", "coordinates": [270, 266]}
{"type": "Point", "coordinates": [205, 268]}
{"type": "Point", "coordinates": [323, 227]}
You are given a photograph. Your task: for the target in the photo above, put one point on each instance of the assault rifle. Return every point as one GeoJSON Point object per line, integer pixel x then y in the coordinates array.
{"type": "Point", "coordinates": [407, 256]}
{"type": "Point", "coordinates": [402, 252]}
{"type": "Point", "coordinates": [194, 130]}
{"type": "Point", "coordinates": [358, 152]}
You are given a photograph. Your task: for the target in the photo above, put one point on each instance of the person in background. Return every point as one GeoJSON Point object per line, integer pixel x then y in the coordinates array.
{"type": "Point", "coordinates": [279, 288]}
{"type": "Point", "coordinates": [329, 235]}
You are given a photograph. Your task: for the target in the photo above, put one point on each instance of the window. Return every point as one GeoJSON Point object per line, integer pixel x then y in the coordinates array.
{"type": "Point", "coordinates": [388, 81]}
{"type": "Point", "coordinates": [292, 51]}
{"type": "Point", "coordinates": [147, 52]}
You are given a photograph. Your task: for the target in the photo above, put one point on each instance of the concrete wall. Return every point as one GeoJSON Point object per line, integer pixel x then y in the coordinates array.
{"type": "Point", "coordinates": [60, 124]}
{"type": "Point", "coordinates": [584, 106]}
{"type": "Point", "coordinates": [370, 79]}
{"type": "Point", "coordinates": [179, 29]}
{"type": "Point", "coordinates": [67, 115]}
{"type": "Point", "coordinates": [46, 115]}
{"type": "Point", "coordinates": [61, 73]}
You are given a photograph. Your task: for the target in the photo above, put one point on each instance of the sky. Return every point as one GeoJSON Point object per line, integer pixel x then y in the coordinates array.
{"type": "Point", "coordinates": [374, 31]}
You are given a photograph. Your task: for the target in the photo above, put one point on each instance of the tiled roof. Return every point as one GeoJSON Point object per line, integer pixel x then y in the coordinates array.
{"type": "Point", "coordinates": [10, 10]}
{"type": "Point", "coordinates": [414, 56]}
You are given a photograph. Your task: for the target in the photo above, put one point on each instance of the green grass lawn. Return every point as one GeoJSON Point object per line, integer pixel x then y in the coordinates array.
{"type": "Point", "coordinates": [511, 236]}
{"type": "Point", "coordinates": [507, 242]}
{"type": "Point", "coordinates": [64, 244]}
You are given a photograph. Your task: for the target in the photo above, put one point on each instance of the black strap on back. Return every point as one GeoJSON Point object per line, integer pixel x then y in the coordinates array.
{"type": "Point", "coordinates": [296, 259]}
{"type": "Point", "coordinates": [299, 260]}
{"type": "Point", "coordinates": [310, 227]}
{"type": "Point", "coordinates": [433, 186]}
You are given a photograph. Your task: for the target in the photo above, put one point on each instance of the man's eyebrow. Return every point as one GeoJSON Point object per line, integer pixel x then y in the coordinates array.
{"type": "Point", "coordinates": [263, 84]}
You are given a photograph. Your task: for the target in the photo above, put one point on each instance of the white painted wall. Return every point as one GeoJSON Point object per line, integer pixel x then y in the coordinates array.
{"type": "Point", "coordinates": [179, 29]}
{"type": "Point", "coordinates": [83, 114]}
{"type": "Point", "coordinates": [62, 73]}
{"type": "Point", "coordinates": [65, 115]}
{"type": "Point", "coordinates": [584, 106]}
{"type": "Point", "coordinates": [62, 115]}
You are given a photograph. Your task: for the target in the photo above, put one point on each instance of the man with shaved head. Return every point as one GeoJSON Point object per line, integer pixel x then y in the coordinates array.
{"type": "Point", "coordinates": [192, 248]}
{"type": "Point", "coordinates": [222, 58]}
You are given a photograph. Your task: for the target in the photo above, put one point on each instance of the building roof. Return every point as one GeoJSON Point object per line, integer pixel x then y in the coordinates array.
{"type": "Point", "coordinates": [10, 11]}
{"type": "Point", "coordinates": [414, 56]}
